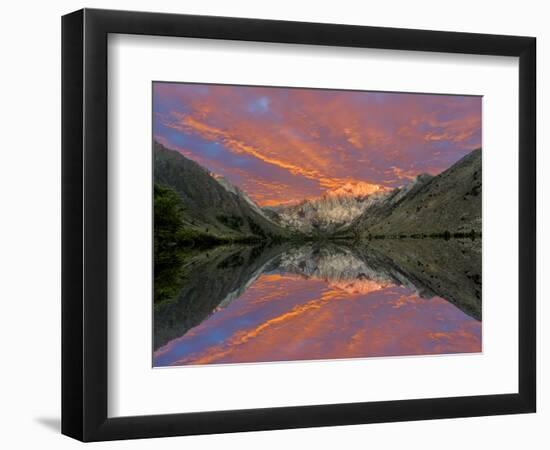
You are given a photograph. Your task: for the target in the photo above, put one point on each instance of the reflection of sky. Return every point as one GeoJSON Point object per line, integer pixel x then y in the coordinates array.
{"type": "Point", "coordinates": [282, 144]}
{"type": "Point", "coordinates": [284, 317]}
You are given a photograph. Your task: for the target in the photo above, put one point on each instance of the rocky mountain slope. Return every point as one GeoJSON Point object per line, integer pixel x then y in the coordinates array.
{"type": "Point", "coordinates": [211, 206]}
{"type": "Point", "coordinates": [447, 203]}
{"type": "Point", "coordinates": [328, 213]}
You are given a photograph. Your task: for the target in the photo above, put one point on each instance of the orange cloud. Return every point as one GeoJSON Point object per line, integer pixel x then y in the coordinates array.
{"type": "Point", "coordinates": [189, 124]}
{"type": "Point", "coordinates": [320, 139]}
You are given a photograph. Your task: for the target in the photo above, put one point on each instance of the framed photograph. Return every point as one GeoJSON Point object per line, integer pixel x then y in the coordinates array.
{"type": "Point", "coordinates": [273, 224]}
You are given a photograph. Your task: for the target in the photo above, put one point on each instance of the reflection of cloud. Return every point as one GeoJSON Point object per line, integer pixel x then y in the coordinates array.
{"type": "Point", "coordinates": [357, 286]}
{"type": "Point", "coordinates": [405, 300]}
{"type": "Point", "coordinates": [316, 140]}
{"type": "Point", "coordinates": [284, 317]}
{"type": "Point", "coordinates": [243, 337]}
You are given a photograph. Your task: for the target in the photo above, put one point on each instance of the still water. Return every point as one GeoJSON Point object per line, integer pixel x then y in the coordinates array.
{"type": "Point", "coordinates": [322, 301]}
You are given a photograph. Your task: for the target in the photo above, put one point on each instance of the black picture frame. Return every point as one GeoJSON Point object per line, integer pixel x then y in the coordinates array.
{"type": "Point", "coordinates": [84, 224]}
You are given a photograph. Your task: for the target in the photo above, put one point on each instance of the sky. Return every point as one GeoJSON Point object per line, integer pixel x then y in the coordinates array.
{"type": "Point", "coordinates": [282, 145]}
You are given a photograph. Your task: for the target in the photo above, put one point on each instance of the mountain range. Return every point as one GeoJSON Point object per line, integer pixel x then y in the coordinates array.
{"type": "Point", "coordinates": [211, 205]}
{"type": "Point", "coordinates": [328, 213]}
{"type": "Point", "coordinates": [448, 203]}
{"type": "Point", "coordinates": [445, 204]}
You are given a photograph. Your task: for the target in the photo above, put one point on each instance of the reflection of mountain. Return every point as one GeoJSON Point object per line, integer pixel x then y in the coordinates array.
{"type": "Point", "coordinates": [448, 269]}
{"type": "Point", "coordinates": [332, 263]}
{"type": "Point", "coordinates": [210, 280]}
{"type": "Point", "coordinates": [450, 201]}
{"type": "Point", "coordinates": [210, 206]}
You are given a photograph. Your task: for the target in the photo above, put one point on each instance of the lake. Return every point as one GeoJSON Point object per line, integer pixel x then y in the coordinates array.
{"type": "Point", "coordinates": [321, 300]}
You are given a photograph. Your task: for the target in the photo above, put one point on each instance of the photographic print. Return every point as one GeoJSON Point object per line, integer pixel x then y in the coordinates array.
{"type": "Point", "coordinates": [295, 224]}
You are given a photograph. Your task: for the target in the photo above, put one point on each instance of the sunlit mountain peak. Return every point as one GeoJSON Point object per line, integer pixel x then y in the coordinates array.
{"type": "Point", "coordinates": [356, 189]}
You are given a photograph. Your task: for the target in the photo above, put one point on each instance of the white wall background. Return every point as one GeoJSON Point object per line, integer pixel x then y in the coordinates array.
{"type": "Point", "coordinates": [30, 222]}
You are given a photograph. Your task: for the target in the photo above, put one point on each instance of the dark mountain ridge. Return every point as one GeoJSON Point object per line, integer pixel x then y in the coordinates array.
{"type": "Point", "coordinates": [210, 206]}
{"type": "Point", "coordinates": [446, 203]}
